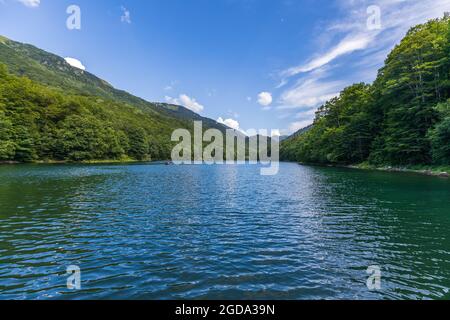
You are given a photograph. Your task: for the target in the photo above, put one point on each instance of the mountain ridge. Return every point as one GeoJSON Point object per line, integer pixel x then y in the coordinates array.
{"type": "Point", "coordinates": [51, 111]}
{"type": "Point", "coordinates": [50, 69]}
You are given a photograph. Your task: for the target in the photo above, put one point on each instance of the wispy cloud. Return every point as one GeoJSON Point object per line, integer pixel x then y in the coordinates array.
{"type": "Point", "coordinates": [355, 52]}
{"type": "Point", "coordinates": [346, 46]}
{"type": "Point", "coordinates": [310, 91]}
{"type": "Point", "coordinates": [171, 86]}
{"type": "Point", "coordinates": [126, 15]}
{"type": "Point", "coordinates": [30, 3]}
{"type": "Point", "coordinates": [306, 95]}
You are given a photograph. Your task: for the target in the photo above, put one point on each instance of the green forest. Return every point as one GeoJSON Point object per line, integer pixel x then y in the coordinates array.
{"type": "Point", "coordinates": [402, 119]}
{"type": "Point", "coordinates": [50, 111]}
{"type": "Point", "coordinates": [41, 123]}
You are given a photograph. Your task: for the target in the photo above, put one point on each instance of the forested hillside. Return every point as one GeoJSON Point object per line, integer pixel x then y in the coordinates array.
{"type": "Point", "coordinates": [41, 123]}
{"type": "Point", "coordinates": [403, 118]}
{"type": "Point", "coordinates": [52, 111]}
{"type": "Point", "coordinates": [52, 70]}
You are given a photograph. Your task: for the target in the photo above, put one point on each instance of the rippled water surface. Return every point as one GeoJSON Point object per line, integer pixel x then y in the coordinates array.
{"type": "Point", "coordinates": [221, 232]}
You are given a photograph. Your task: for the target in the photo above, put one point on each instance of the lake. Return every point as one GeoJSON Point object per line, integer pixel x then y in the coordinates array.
{"type": "Point", "coordinates": [221, 232]}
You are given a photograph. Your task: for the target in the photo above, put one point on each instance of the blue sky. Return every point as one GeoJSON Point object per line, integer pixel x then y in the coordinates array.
{"type": "Point", "coordinates": [251, 63]}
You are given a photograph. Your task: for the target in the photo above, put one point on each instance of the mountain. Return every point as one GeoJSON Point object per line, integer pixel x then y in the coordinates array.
{"type": "Point", "coordinates": [52, 70]}
{"type": "Point", "coordinates": [50, 110]}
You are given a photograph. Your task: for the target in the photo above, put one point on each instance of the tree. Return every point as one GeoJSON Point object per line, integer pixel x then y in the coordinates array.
{"type": "Point", "coordinates": [341, 131]}
{"type": "Point", "coordinates": [440, 135]}
{"type": "Point", "coordinates": [7, 146]}
{"type": "Point", "coordinates": [408, 87]}
{"type": "Point", "coordinates": [87, 138]}
{"type": "Point", "coordinates": [394, 121]}
{"type": "Point", "coordinates": [138, 142]}
{"type": "Point", "coordinates": [24, 144]}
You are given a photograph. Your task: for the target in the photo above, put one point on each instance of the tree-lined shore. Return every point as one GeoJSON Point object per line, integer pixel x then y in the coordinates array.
{"type": "Point", "coordinates": [402, 120]}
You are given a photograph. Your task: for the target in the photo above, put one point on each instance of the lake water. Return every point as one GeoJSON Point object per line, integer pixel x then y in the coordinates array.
{"type": "Point", "coordinates": [221, 232]}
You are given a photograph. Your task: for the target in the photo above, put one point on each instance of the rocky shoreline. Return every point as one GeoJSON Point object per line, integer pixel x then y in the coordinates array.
{"type": "Point", "coordinates": [428, 172]}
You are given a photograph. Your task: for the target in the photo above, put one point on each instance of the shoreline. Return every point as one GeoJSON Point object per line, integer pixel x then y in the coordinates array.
{"type": "Point", "coordinates": [46, 162]}
{"type": "Point", "coordinates": [430, 170]}
{"type": "Point", "coordinates": [439, 171]}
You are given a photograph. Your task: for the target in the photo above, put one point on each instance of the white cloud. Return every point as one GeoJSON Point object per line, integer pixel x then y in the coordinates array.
{"type": "Point", "coordinates": [397, 16]}
{"type": "Point", "coordinates": [187, 102]}
{"type": "Point", "coordinates": [346, 46]}
{"type": "Point", "coordinates": [191, 103]}
{"type": "Point", "coordinates": [265, 98]}
{"type": "Point", "coordinates": [310, 91]}
{"type": "Point", "coordinates": [75, 63]}
{"type": "Point", "coordinates": [307, 95]}
{"type": "Point", "coordinates": [126, 15]}
{"type": "Point", "coordinates": [30, 3]}
{"type": "Point", "coordinates": [233, 124]}
{"type": "Point", "coordinates": [171, 100]}
{"type": "Point", "coordinates": [276, 133]}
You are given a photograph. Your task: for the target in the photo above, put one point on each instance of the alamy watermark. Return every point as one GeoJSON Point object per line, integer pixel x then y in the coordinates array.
{"type": "Point", "coordinates": [73, 22]}
{"type": "Point", "coordinates": [374, 18]}
{"type": "Point", "coordinates": [374, 279]}
{"type": "Point", "coordinates": [236, 148]}
{"type": "Point", "coordinates": [74, 278]}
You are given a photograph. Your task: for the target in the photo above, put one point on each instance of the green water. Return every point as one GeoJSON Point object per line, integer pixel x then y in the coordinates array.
{"type": "Point", "coordinates": [221, 232]}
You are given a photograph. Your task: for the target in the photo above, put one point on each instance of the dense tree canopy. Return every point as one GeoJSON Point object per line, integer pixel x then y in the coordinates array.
{"type": "Point", "coordinates": [42, 123]}
{"type": "Point", "coordinates": [401, 119]}
{"type": "Point", "coordinates": [440, 135]}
